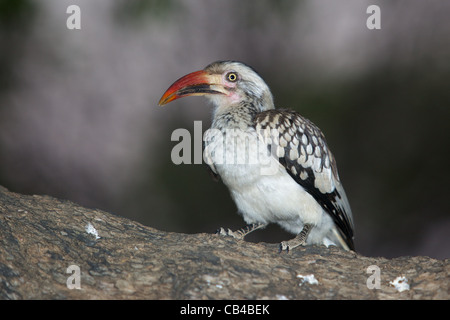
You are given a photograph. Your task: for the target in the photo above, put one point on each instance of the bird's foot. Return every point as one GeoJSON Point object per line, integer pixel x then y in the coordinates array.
{"type": "Point", "coordinates": [289, 245]}
{"type": "Point", "coordinates": [241, 233]}
{"type": "Point", "coordinates": [299, 240]}
{"type": "Point", "coordinates": [230, 233]}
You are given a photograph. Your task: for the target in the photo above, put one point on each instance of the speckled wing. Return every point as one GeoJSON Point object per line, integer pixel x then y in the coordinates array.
{"type": "Point", "coordinates": [301, 148]}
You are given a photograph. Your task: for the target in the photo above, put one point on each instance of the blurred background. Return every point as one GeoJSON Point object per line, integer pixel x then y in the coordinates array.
{"type": "Point", "coordinates": [79, 118]}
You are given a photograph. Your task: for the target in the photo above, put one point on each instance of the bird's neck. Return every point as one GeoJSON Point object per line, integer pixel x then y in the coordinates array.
{"type": "Point", "coordinates": [239, 116]}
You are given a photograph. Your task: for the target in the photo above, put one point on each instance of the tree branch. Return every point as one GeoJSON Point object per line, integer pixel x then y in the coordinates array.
{"type": "Point", "coordinates": [40, 237]}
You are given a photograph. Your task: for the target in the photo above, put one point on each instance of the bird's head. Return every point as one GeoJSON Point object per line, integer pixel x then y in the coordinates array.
{"type": "Point", "coordinates": [225, 83]}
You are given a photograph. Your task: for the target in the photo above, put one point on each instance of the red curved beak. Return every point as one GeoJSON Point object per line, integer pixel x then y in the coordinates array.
{"type": "Point", "coordinates": [197, 83]}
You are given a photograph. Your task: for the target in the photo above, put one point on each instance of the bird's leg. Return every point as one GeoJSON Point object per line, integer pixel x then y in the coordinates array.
{"type": "Point", "coordinates": [300, 239]}
{"type": "Point", "coordinates": [241, 233]}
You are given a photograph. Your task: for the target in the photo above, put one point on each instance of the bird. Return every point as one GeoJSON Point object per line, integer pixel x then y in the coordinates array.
{"type": "Point", "coordinates": [275, 162]}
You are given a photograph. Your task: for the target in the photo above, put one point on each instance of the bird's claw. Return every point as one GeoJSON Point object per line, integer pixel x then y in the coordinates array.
{"type": "Point", "coordinates": [299, 240]}
{"type": "Point", "coordinates": [291, 244]}
{"type": "Point", "coordinates": [228, 233]}
{"type": "Point", "coordinates": [222, 232]}
{"type": "Point", "coordinates": [284, 245]}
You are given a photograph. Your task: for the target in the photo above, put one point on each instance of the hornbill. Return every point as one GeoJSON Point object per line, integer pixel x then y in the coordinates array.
{"type": "Point", "coordinates": [275, 162]}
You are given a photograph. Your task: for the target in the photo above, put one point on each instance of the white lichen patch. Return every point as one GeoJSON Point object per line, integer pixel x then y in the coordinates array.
{"type": "Point", "coordinates": [213, 281]}
{"type": "Point", "coordinates": [90, 229]}
{"type": "Point", "coordinates": [308, 279]}
{"type": "Point", "coordinates": [400, 283]}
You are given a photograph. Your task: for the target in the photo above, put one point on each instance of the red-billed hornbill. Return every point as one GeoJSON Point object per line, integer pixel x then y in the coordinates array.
{"type": "Point", "coordinates": [275, 162]}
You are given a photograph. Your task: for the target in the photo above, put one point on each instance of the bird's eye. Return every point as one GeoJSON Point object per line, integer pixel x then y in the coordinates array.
{"type": "Point", "coordinates": [232, 76]}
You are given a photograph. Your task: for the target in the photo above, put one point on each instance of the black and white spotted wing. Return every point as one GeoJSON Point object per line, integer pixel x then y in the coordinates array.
{"type": "Point", "coordinates": [301, 148]}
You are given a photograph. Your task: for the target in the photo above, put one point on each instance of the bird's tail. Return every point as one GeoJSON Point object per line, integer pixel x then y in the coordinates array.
{"type": "Point", "coordinates": [337, 238]}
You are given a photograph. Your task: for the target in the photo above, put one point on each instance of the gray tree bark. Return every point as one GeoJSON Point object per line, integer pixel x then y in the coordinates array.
{"type": "Point", "coordinates": [55, 249]}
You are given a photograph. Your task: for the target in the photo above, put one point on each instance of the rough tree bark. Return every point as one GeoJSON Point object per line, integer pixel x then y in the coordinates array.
{"type": "Point", "coordinates": [40, 237]}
